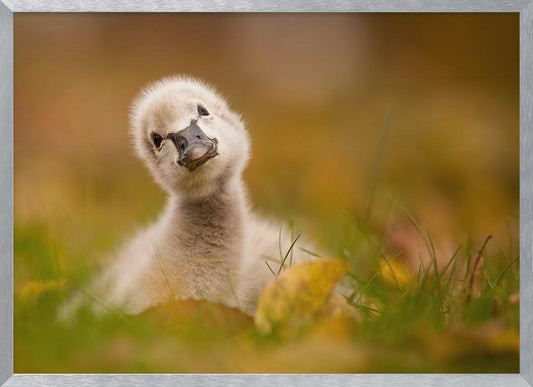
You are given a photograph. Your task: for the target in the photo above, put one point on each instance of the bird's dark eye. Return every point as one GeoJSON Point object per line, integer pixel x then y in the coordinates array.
{"type": "Point", "coordinates": [157, 139]}
{"type": "Point", "coordinates": [202, 111]}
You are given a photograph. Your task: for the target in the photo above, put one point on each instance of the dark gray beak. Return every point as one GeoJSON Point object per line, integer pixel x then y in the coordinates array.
{"type": "Point", "coordinates": [194, 147]}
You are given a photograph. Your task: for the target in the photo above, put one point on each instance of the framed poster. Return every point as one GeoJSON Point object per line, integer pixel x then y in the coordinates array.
{"type": "Point", "coordinates": [391, 142]}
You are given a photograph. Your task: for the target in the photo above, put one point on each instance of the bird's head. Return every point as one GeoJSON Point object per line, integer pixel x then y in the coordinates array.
{"type": "Point", "coordinates": [188, 137]}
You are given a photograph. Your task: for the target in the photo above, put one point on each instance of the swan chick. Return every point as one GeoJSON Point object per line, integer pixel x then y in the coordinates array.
{"type": "Point", "coordinates": [206, 244]}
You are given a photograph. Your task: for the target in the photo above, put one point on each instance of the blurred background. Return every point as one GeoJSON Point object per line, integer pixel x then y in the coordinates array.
{"type": "Point", "coordinates": [351, 116]}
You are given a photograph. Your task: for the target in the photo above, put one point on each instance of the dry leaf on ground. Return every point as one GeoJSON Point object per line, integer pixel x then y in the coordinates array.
{"type": "Point", "coordinates": [298, 296]}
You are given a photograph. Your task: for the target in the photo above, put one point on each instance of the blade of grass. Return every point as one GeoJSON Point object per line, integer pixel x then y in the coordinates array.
{"type": "Point", "coordinates": [378, 270]}
{"type": "Point", "coordinates": [269, 268]}
{"type": "Point", "coordinates": [310, 252]}
{"type": "Point", "coordinates": [393, 273]}
{"type": "Point", "coordinates": [373, 174]}
{"type": "Point", "coordinates": [287, 254]}
{"type": "Point", "coordinates": [356, 278]}
{"type": "Point", "coordinates": [291, 225]}
{"type": "Point", "coordinates": [435, 263]}
{"type": "Point", "coordinates": [452, 259]}
{"type": "Point", "coordinates": [505, 270]}
{"type": "Point", "coordinates": [415, 224]}
{"type": "Point", "coordinates": [428, 242]}
{"type": "Point", "coordinates": [425, 277]}
{"type": "Point", "coordinates": [364, 308]}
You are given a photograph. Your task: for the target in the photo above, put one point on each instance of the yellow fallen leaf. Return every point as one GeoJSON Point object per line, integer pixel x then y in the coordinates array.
{"type": "Point", "coordinates": [395, 272]}
{"type": "Point", "coordinates": [298, 296]}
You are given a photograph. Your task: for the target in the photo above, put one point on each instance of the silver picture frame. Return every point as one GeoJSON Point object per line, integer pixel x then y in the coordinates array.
{"type": "Point", "coordinates": [523, 7]}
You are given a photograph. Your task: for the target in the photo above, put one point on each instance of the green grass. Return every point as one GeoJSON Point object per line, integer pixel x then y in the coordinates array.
{"type": "Point", "coordinates": [414, 327]}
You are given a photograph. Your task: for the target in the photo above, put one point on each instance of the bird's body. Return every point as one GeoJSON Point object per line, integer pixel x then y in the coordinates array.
{"type": "Point", "coordinates": [207, 243]}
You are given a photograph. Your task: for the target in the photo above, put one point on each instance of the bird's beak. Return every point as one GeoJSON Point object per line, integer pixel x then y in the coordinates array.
{"type": "Point", "coordinates": [194, 147]}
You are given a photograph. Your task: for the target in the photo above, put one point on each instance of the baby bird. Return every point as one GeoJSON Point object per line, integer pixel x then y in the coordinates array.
{"type": "Point", "coordinates": [207, 244]}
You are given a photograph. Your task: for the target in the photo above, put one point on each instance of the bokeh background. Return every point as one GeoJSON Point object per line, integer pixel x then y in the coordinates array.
{"type": "Point", "coordinates": [351, 117]}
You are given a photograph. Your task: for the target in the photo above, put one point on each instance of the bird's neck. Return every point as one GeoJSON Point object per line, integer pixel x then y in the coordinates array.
{"type": "Point", "coordinates": [212, 222]}
{"type": "Point", "coordinates": [223, 198]}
